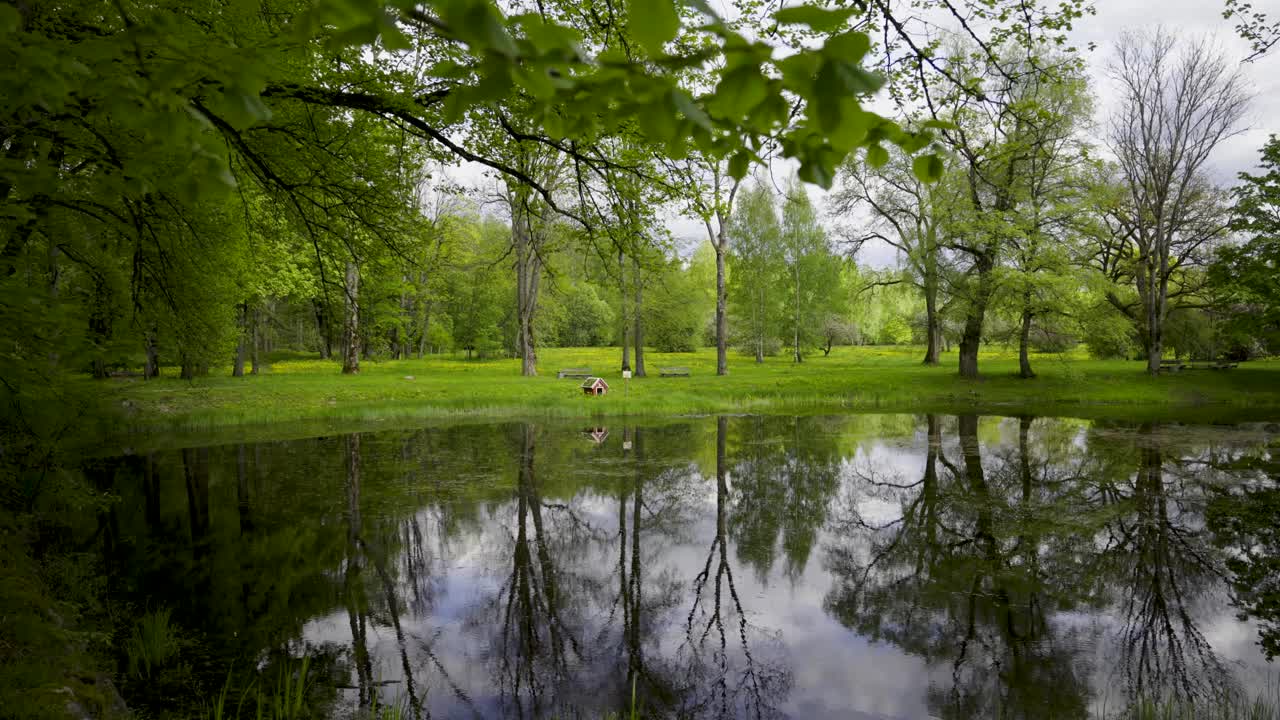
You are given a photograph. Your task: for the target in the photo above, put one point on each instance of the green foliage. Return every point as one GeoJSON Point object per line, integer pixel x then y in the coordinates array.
{"type": "Point", "coordinates": [287, 698]}
{"type": "Point", "coordinates": [895, 331]}
{"type": "Point", "coordinates": [586, 321]}
{"type": "Point", "coordinates": [677, 309]}
{"type": "Point", "coordinates": [152, 643]}
{"type": "Point", "coordinates": [816, 291]}
{"type": "Point", "coordinates": [1246, 274]}
{"type": "Point", "coordinates": [757, 272]}
{"type": "Point", "coordinates": [653, 22]}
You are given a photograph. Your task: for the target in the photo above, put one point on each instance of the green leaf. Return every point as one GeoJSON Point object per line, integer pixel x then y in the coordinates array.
{"type": "Point", "coordinates": [739, 164]}
{"type": "Point", "coordinates": [817, 166]}
{"type": "Point", "coordinates": [798, 71]}
{"type": "Point", "coordinates": [855, 79]}
{"type": "Point", "coordinates": [877, 156]}
{"type": "Point", "coordinates": [548, 37]}
{"type": "Point", "coordinates": [658, 123]}
{"type": "Point", "coordinates": [536, 81]}
{"type": "Point", "coordinates": [553, 124]}
{"type": "Point", "coordinates": [848, 46]}
{"type": "Point", "coordinates": [653, 23]}
{"type": "Point", "coordinates": [928, 168]}
{"type": "Point", "coordinates": [740, 90]}
{"type": "Point", "coordinates": [854, 125]}
{"type": "Point", "coordinates": [820, 19]}
{"type": "Point", "coordinates": [914, 142]}
{"type": "Point", "coordinates": [689, 108]}
{"type": "Point", "coordinates": [828, 95]}
{"type": "Point", "coordinates": [940, 125]}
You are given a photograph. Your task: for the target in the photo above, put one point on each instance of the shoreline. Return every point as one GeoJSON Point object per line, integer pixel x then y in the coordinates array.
{"type": "Point", "coordinates": [301, 396]}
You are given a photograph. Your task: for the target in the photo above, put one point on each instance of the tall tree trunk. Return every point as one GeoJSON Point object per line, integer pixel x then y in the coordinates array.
{"type": "Point", "coordinates": [426, 328]}
{"type": "Point", "coordinates": [722, 300]}
{"type": "Point", "coordinates": [255, 340]}
{"type": "Point", "coordinates": [152, 367]}
{"type": "Point", "coordinates": [1154, 298]}
{"type": "Point", "coordinates": [187, 366]}
{"type": "Point", "coordinates": [242, 322]}
{"type": "Point", "coordinates": [323, 329]}
{"type": "Point", "coordinates": [351, 328]}
{"type": "Point", "coordinates": [933, 326]}
{"type": "Point", "coordinates": [1024, 339]}
{"type": "Point", "coordinates": [637, 309]}
{"type": "Point", "coordinates": [528, 275]}
{"type": "Point", "coordinates": [401, 349]}
{"type": "Point", "coordinates": [796, 355]}
{"type": "Point", "coordinates": [971, 339]}
{"type": "Point", "coordinates": [758, 326]}
{"type": "Point", "coordinates": [100, 325]}
{"type": "Point", "coordinates": [622, 307]}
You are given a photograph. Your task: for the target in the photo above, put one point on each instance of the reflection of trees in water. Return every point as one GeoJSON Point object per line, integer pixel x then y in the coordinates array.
{"type": "Point", "coordinates": [1159, 561]}
{"type": "Point", "coordinates": [984, 547]}
{"type": "Point", "coordinates": [957, 578]}
{"type": "Point", "coordinates": [727, 682]}
{"type": "Point", "coordinates": [984, 550]}
{"type": "Point", "coordinates": [536, 641]}
{"type": "Point", "coordinates": [647, 515]}
{"type": "Point", "coordinates": [363, 606]}
{"type": "Point", "coordinates": [783, 480]}
{"type": "Point", "coordinates": [1244, 517]}
{"type": "Point", "coordinates": [569, 633]}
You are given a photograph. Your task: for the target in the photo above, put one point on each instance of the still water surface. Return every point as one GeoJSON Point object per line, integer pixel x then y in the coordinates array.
{"type": "Point", "coordinates": [892, 566]}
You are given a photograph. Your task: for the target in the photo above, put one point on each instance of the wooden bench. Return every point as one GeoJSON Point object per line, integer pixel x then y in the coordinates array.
{"type": "Point", "coordinates": [1173, 365]}
{"type": "Point", "coordinates": [577, 373]}
{"type": "Point", "coordinates": [673, 372]}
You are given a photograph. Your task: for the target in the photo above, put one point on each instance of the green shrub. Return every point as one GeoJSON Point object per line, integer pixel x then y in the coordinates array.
{"type": "Point", "coordinates": [153, 643]}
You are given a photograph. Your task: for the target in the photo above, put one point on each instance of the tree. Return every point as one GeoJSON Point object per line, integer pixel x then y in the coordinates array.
{"type": "Point", "coordinates": [814, 270]}
{"type": "Point", "coordinates": [757, 269]}
{"type": "Point", "coordinates": [910, 216]}
{"type": "Point", "coordinates": [1248, 273]}
{"type": "Point", "coordinates": [1178, 101]}
{"type": "Point", "coordinates": [532, 226]}
{"type": "Point", "coordinates": [714, 205]}
{"type": "Point", "coordinates": [478, 294]}
{"type": "Point", "coordinates": [677, 309]}
{"type": "Point", "coordinates": [1261, 32]}
{"type": "Point", "coordinates": [1043, 279]}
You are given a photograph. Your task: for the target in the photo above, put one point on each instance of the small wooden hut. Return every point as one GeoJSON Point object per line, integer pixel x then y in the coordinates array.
{"type": "Point", "coordinates": [595, 386]}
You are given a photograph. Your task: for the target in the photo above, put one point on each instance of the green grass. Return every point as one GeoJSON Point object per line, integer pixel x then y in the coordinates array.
{"type": "Point", "coordinates": [1234, 707]}
{"type": "Point", "coordinates": [849, 380]}
{"type": "Point", "coordinates": [152, 644]}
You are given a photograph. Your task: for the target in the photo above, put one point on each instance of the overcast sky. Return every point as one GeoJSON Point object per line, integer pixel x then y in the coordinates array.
{"type": "Point", "coordinates": [1189, 19]}
{"type": "Point", "coordinates": [1186, 18]}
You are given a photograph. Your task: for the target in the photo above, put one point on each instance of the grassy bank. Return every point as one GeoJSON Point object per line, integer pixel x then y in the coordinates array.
{"type": "Point", "coordinates": [850, 379]}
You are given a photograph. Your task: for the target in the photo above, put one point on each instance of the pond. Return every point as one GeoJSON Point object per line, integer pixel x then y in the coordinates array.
{"type": "Point", "coordinates": [868, 566]}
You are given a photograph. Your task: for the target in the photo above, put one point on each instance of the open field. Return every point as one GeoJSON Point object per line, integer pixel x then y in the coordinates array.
{"type": "Point", "coordinates": [854, 379]}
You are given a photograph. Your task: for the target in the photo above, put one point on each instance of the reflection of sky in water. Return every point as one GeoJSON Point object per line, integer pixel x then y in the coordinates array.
{"type": "Point", "coordinates": [451, 636]}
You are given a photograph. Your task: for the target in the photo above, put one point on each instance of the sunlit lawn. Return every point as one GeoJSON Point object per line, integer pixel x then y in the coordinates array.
{"type": "Point", "coordinates": [850, 379]}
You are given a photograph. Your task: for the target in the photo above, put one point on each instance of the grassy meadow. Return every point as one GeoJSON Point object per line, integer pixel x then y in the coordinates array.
{"type": "Point", "coordinates": [300, 389]}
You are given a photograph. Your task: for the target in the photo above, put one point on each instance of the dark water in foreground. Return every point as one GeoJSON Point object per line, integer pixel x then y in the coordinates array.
{"type": "Point", "coordinates": [889, 566]}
